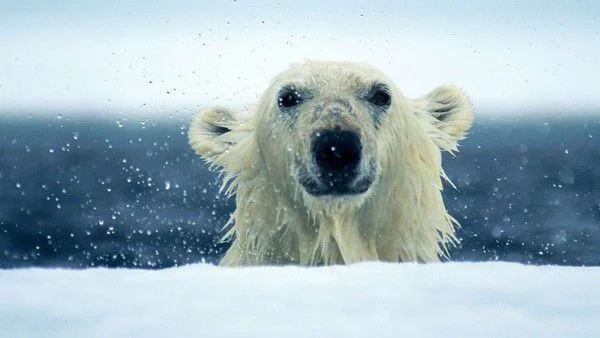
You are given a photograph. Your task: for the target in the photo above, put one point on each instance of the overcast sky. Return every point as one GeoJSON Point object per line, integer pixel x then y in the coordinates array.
{"type": "Point", "coordinates": [151, 57]}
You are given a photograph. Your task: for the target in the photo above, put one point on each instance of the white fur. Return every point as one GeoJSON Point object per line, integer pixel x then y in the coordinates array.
{"type": "Point", "coordinates": [401, 217]}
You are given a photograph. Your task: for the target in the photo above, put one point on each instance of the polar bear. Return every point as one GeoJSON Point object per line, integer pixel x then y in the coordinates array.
{"type": "Point", "coordinates": [335, 166]}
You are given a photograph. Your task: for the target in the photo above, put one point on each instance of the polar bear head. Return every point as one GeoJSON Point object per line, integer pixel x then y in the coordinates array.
{"type": "Point", "coordinates": [330, 145]}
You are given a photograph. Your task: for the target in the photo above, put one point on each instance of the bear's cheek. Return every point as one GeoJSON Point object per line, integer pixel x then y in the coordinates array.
{"type": "Point", "coordinates": [280, 148]}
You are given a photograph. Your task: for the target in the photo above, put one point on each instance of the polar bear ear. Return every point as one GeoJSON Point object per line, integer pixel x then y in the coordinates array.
{"type": "Point", "coordinates": [446, 114]}
{"type": "Point", "coordinates": [215, 130]}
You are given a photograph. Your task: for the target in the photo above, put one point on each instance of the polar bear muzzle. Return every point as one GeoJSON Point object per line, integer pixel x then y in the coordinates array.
{"type": "Point", "coordinates": [336, 165]}
{"type": "Point", "coordinates": [337, 152]}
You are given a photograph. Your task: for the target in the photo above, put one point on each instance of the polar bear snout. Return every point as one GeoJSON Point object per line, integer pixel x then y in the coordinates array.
{"type": "Point", "coordinates": [337, 166]}
{"type": "Point", "coordinates": [337, 153]}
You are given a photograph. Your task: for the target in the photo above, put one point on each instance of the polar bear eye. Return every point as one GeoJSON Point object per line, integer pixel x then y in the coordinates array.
{"type": "Point", "coordinates": [380, 97]}
{"type": "Point", "coordinates": [289, 97]}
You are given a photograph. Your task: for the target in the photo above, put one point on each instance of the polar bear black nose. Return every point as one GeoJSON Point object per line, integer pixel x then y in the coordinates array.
{"type": "Point", "coordinates": [337, 154]}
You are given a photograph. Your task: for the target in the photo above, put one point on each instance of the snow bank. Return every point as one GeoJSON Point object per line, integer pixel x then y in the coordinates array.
{"type": "Point", "coordinates": [364, 300]}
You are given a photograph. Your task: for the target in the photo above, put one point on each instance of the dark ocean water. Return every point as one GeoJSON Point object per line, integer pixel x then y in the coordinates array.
{"type": "Point", "coordinates": [78, 192]}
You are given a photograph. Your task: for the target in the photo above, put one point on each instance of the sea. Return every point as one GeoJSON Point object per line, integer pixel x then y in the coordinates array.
{"type": "Point", "coordinates": [84, 190]}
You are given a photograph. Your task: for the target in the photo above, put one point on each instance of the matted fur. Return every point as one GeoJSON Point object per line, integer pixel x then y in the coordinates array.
{"type": "Point", "coordinates": [401, 217]}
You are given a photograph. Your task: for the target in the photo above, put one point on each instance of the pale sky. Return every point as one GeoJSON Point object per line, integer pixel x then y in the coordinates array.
{"type": "Point", "coordinates": [156, 57]}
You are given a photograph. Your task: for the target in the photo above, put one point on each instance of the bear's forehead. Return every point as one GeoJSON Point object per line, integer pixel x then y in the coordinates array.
{"type": "Point", "coordinates": [321, 76]}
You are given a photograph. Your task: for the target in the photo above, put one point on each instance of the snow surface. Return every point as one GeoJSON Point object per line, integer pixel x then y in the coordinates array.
{"type": "Point", "coordinates": [363, 300]}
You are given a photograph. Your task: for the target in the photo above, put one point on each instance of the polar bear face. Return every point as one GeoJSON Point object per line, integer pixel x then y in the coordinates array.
{"type": "Point", "coordinates": [324, 121]}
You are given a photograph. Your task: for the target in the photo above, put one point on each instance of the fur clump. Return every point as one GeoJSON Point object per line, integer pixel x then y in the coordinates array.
{"type": "Point", "coordinates": [401, 217]}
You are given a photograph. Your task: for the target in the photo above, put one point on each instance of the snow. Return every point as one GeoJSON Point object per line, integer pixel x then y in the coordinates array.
{"type": "Point", "coordinates": [363, 300]}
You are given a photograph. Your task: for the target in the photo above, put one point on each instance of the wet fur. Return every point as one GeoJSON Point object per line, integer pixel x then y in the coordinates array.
{"type": "Point", "coordinates": [402, 217]}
